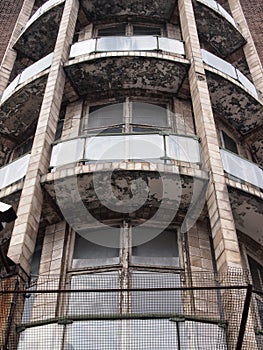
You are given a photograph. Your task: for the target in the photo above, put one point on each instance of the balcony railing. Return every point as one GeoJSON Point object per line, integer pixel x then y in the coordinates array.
{"type": "Point", "coordinates": [14, 171]}
{"type": "Point", "coordinates": [230, 70]}
{"type": "Point", "coordinates": [157, 311]}
{"type": "Point", "coordinates": [28, 73]}
{"type": "Point", "coordinates": [152, 147]}
{"type": "Point", "coordinates": [127, 43]}
{"type": "Point", "coordinates": [219, 8]}
{"type": "Point", "coordinates": [42, 9]}
{"type": "Point", "coordinates": [242, 168]}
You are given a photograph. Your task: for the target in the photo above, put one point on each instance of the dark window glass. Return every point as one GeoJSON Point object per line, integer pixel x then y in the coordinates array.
{"type": "Point", "coordinates": [112, 31]}
{"type": "Point", "coordinates": [142, 30]}
{"type": "Point", "coordinates": [229, 143]}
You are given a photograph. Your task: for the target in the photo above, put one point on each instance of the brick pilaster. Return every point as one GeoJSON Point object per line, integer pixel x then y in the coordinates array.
{"type": "Point", "coordinates": [29, 211]}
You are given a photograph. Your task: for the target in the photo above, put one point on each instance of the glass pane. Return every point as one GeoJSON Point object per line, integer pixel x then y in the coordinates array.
{"type": "Point", "coordinates": [118, 43]}
{"type": "Point", "coordinates": [104, 116]}
{"type": "Point", "coordinates": [122, 335]}
{"type": "Point", "coordinates": [219, 64]}
{"type": "Point", "coordinates": [229, 143]}
{"type": "Point", "coordinates": [114, 30]}
{"type": "Point", "coordinates": [67, 152]}
{"type": "Point", "coordinates": [87, 253]}
{"type": "Point", "coordinates": [157, 302]}
{"type": "Point", "coordinates": [244, 81]}
{"type": "Point", "coordinates": [124, 147]}
{"type": "Point", "coordinates": [46, 337]}
{"type": "Point", "coordinates": [14, 171]}
{"type": "Point", "coordinates": [149, 114]}
{"type": "Point", "coordinates": [94, 303]}
{"type": "Point", "coordinates": [82, 48]}
{"type": "Point", "coordinates": [242, 168]}
{"type": "Point", "coordinates": [142, 30]}
{"type": "Point", "coordinates": [36, 68]}
{"type": "Point", "coordinates": [199, 335]}
{"type": "Point", "coordinates": [162, 250]}
{"type": "Point", "coordinates": [143, 43]}
{"type": "Point", "coordinates": [181, 148]}
{"type": "Point", "coordinates": [171, 45]}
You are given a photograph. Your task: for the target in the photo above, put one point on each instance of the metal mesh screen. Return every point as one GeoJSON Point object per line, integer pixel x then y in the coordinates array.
{"type": "Point", "coordinates": [138, 311]}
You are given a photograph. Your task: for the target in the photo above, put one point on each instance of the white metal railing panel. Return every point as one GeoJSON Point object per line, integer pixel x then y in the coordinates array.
{"type": "Point", "coordinates": [82, 48]}
{"type": "Point", "coordinates": [219, 64]}
{"type": "Point", "coordinates": [219, 8]}
{"type": "Point", "coordinates": [171, 45]}
{"type": "Point", "coordinates": [36, 68]}
{"type": "Point", "coordinates": [14, 171]}
{"type": "Point", "coordinates": [67, 152]}
{"type": "Point", "coordinates": [126, 147]}
{"type": "Point", "coordinates": [247, 83]}
{"type": "Point", "coordinates": [242, 168]}
{"type": "Point", "coordinates": [183, 148]}
{"type": "Point", "coordinates": [11, 87]}
{"type": "Point", "coordinates": [123, 147]}
{"type": "Point", "coordinates": [44, 8]}
{"type": "Point", "coordinates": [126, 43]}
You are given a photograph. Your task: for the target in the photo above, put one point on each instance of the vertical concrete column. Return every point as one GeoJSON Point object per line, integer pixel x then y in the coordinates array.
{"type": "Point", "coordinates": [219, 209]}
{"type": "Point", "coordinates": [250, 51]}
{"type": "Point", "coordinates": [10, 54]}
{"type": "Point", "coordinates": [29, 211]}
{"type": "Point", "coordinates": [220, 213]}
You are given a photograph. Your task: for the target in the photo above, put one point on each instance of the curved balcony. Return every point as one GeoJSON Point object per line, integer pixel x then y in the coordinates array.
{"type": "Point", "coordinates": [131, 159]}
{"type": "Point", "coordinates": [154, 147]}
{"type": "Point", "coordinates": [39, 35]}
{"type": "Point", "coordinates": [97, 10]}
{"type": "Point", "coordinates": [246, 202]}
{"type": "Point", "coordinates": [142, 62]}
{"type": "Point", "coordinates": [21, 100]}
{"type": "Point", "coordinates": [217, 28]}
{"type": "Point", "coordinates": [233, 95]}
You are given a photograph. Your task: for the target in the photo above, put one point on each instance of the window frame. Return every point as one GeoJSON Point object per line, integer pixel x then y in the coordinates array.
{"type": "Point", "coordinates": [127, 126]}
{"type": "Point", "coordinates": [129, 29]}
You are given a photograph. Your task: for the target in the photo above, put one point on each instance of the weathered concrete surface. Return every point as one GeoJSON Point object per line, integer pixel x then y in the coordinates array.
{"type": "Point", "coordinates": [19, 111]}
{"type": "Point", "coordinates": [39, 39]}
{"type": "Point", "coordinates": [127, 72]}
{"type": "Point", "coordinates": [216, 31]}
{"type": "Point", "coordinates": [125, 185]}
{"type": "Point", "coordinates": [248, 213]}
{"type": "Point", "coordinates": [233, 103]}
{"type": "Point", "coordinates": [151, 9]}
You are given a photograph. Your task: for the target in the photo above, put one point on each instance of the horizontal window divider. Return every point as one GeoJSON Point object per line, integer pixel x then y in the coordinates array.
{"type": "Point", "coordinates": [172, 317]}
{"type": "Point", "coordinates": [117, 290]}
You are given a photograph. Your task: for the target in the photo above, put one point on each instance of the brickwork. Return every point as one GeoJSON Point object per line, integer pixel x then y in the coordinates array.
{"type": "Point", "coordinates": [253, 11]}
{"type": "Point", "coordinates": [252, 57]}
{"type": "Point", "coordinates": [9, 11]}
{"type": "Point", "coordinates": [24, 235]}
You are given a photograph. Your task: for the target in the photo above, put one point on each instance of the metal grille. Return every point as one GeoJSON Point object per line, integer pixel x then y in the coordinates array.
{"type": "Point", "coordinates": [139, 311]}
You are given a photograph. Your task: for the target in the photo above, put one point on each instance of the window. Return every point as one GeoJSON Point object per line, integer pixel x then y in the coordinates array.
{"type": "Point", "coordinates": [125, 117]}
{"type": "Point", "coordinates": [229, 143]}
{"type": "Point", "coordinates": [20, 150]}
{"type": "Point", "coordinates": [256, 271]}
{"type": "Point", "coordinates": [160, 250]}
{"type": "Point", "coordinates": [129, 29]}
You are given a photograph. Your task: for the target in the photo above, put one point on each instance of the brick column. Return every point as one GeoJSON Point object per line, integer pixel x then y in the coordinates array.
{"type": "Point", "coordinates": [222, 224]}
{"type": "Point", "coordinates": [220, 213]}
{"type": "Point", "coordinates": [10, 54]}
{"type": "Point", "coordinates": [250, 51]}
{"type": "Point", "coordinates": [29, 211]}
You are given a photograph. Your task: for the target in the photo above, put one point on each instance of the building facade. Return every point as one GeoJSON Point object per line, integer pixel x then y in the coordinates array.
{"type": "Point", "coordinates": [132, 152]}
